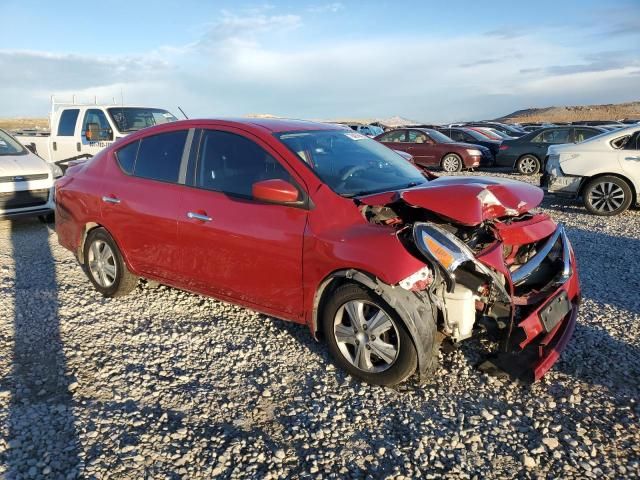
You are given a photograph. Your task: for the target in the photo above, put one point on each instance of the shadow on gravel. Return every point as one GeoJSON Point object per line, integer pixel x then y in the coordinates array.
{"type": "Point", "coordinates": [607, 268]}
{"type": "Point", "coordinates": [43, 441]}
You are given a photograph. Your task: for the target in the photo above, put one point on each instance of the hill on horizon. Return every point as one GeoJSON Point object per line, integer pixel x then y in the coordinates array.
{"type": "Point", "coordinates": [611, 111]}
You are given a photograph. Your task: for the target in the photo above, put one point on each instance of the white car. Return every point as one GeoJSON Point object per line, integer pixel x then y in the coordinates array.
{"type": "Point", "coordinates": [604, 170]}
{"type": "Point", "coordinates": [26, 181]}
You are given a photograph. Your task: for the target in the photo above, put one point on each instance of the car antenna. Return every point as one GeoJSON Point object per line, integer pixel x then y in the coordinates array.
{"type": "Point", "coordinates": [182, 111]}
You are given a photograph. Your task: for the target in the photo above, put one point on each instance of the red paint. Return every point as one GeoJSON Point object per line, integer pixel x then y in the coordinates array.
{"type": "Point", "coordinates": [273, 257]}
{"type": "Point", "coordinates": [523, 232]}
{"type": "Point", "coordinates": [473, 200]}
{"type": "Point", "coordinates": [431, 152]}
{"type": "Point", "coordinates": [275, 190]}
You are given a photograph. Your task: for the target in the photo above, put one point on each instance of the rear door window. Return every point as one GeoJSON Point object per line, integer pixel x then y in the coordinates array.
{"type": "Point", "coordinates": [159, 156]}
{"type": "Point", "coordinates": [67, 123]}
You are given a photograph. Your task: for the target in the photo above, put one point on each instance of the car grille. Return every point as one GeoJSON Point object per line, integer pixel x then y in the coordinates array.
{"type": "Point", "coordinates": [24, 178]}
{"type": "Point", "coordinates": [23, 199]}
{"type": "Point", "coordinates": [544, 263]}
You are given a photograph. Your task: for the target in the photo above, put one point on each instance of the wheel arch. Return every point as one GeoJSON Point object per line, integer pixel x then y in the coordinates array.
{"type": "Point", "coordinates": [417, 315]}
{"type": "Point", "coordinates": [88, 228]}
{"type": "Point", "coordinates": [587, 180]}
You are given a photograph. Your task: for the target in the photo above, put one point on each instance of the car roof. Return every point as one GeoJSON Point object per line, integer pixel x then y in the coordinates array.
{"type": "Point", "coordinates": [273, 125]}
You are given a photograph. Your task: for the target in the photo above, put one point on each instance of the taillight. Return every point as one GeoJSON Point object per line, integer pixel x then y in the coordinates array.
{"type": "Point", "coordinates": [504, 147]}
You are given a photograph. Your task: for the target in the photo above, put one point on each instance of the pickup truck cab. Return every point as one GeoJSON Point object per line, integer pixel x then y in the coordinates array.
{"type": "Point", "coordinates": [81, 131]}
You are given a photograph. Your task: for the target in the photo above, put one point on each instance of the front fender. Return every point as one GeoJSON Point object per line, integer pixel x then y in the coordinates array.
{"type": "Point", "coordinates": [415, 311]}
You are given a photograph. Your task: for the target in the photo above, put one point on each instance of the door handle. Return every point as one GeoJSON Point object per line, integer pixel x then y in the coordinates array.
{"type": "Point", "coordinates": [199, 216]}
{"type": "Point", "coordinates": [110, 199]}
{"type": "Point", "coordinates": [632, 158]}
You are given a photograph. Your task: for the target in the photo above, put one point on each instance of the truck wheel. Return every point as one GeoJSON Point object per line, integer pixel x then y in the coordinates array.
{"type": "Point", "coordinates": [451, 163]}
{"type": "Point", "coordinates": [366, 337]}
{"type": "Point", "coordinates": [607, 196]}
{"type": "Point", "coordinates": [528, 165]}
{"type": "Point", "coordinates": [105, 266]}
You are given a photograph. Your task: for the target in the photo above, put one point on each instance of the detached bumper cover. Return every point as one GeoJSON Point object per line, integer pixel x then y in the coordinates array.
{"type": "Point", "coordinates": [537, 338]}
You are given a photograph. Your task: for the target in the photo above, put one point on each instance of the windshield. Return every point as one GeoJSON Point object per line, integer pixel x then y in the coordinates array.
{"type": "Point", "coordinates": [9, 146]}
{"type": "Point", "coordinates": [132, 119]}
{"type": "Point", "coordinates": [352, 164]}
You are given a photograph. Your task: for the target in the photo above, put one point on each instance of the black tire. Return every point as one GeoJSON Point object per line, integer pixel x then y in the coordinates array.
{"type": "Point", "coordinates": [528, 165]}
{"type": "Point", "coordinates": [607, 196]}
{"type": "Point", "coordinates": [123, 280]}
{"type": "Point", "coordinates": [406, 359]}
{"type": "Point", "coordinates": [451, 162]}
{"type": "Point", "coordinates": [47, 218]}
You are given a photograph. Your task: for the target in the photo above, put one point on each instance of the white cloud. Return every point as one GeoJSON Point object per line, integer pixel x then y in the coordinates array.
{"type": "Point", "coordinates": [332, 7]}
{"type": "Point", "coordinates": [252, 62]}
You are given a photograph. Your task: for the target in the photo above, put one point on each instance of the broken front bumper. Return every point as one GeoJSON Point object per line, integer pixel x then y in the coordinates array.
{"type": "Point", "coordinates": [543, 318]}
{"type": "Point", "coordinates": [564, 186]}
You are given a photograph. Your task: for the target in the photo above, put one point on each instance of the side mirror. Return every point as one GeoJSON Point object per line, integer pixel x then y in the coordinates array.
{"type": "Point", "coordinates": [275, 191]}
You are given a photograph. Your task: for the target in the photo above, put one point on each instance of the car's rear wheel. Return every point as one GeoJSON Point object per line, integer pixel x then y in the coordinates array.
{"type": "Point", "coordinates": [105, 266]}
{"type": "Point", "coordinates": [366, 337]}
{"type": "Point", "coordinates": [607, 196]}
{"type": "Point", "coordinates": [451, 163]}
{"type": "Point", "coordinates": [528, 165]}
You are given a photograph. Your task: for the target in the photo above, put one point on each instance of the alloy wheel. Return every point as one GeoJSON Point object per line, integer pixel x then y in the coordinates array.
{"type": "Point", "coordinates": [366, 336]}
{"type": "Point", "coordinates": [528, 166]}
{"type": "Point", "coordinates": [451, 163]}
{"type": "Point", "coordinates": [102, 263]}
{"type": "Point", "coordinates": [606, 197]}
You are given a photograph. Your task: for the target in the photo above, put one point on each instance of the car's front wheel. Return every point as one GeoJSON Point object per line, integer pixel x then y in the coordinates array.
{"type": "Point", "coordinates": [528, 165]}
{"type": "Point", "coordinates": [105, 266]}
{"type": "Point", "coordinates": [607, 196]}
{"type": "Point", "coordinates": [451, 163]}
{"type": "Point", "coordinates": [366, 337]}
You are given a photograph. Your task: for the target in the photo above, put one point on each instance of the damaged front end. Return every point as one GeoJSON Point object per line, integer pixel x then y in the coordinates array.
{"type": "Point", "coordinates": [501, 272]}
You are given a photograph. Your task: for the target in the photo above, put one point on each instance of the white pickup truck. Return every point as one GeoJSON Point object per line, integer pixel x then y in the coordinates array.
{"type": "Point", "coordinates": [81, 131]}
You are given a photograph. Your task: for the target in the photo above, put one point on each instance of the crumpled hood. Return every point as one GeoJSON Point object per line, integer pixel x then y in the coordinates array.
{"type": "Point", "coordinates": [467, 200]}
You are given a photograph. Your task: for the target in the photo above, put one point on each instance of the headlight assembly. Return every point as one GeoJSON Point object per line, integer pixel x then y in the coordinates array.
{"type": "Point", "coordinates": [56, 171]}
{"type": "Point", "coordinates": [441, 247]}
{"type": "Point", "coordinates": [474, 151]}
{"type": "Point", "coordinates": [448, 252]}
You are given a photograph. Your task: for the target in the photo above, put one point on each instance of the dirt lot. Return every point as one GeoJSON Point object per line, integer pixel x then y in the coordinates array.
{"type": "Point", "coordinates": [165, 384]}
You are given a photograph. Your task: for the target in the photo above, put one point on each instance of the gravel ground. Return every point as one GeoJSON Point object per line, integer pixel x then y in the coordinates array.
{"type": "Point", "coordinates": [165, 384]}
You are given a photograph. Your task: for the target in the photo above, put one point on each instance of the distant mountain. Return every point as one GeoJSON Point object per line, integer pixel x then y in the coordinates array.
{"type": "Point", "coordinates": [613, 111]}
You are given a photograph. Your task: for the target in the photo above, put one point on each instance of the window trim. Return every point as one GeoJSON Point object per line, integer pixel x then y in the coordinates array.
{"type": "Point", "coordinates": [305, 201]}
{"type": "Point", "coordinates": [183, 158]}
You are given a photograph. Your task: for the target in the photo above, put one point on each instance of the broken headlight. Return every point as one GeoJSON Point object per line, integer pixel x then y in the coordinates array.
{"type": "Point", "coordinates": [441, 247]}
{"type": "Point", "coordinates": [449, 252]}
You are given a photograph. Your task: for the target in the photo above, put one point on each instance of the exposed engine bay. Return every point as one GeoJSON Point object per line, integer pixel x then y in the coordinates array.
{"type": "Point", "coordinates": [487, 273]}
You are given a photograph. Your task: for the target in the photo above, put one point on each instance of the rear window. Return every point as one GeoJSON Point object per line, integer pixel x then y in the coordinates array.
{"type": "Point", "coordinates": [126, 157]}
{"type": "Point", "coordinates": [67, 124]}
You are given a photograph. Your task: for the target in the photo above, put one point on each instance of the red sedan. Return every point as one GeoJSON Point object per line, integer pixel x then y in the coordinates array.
{"type": "Point", "coordinates": [328, 228]}
{"type": "Point", "coordinates": [430, 148]}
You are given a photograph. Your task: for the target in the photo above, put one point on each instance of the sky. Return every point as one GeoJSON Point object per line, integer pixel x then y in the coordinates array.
{"type": "Point", "coordinates": [426, 61]}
